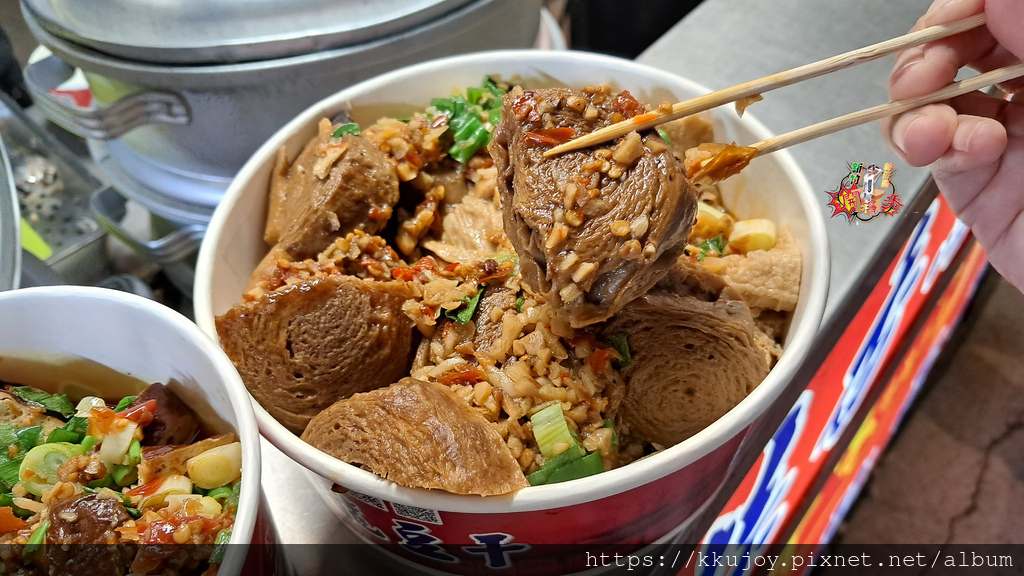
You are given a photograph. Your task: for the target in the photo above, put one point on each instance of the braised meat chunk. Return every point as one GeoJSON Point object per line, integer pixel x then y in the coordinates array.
{"type": "Point", "coordinates": [303, 347]}
{"type": "Point", "coordinates": [695, 355]}
{"type": "Point", "coordinates": [418, 434]}
{"type": "Point", "coordinates": [594, 228]}
{"type": "Point", "coordinates": [87, 523]}
{"type": "Point", "coordinates": [173, 422]}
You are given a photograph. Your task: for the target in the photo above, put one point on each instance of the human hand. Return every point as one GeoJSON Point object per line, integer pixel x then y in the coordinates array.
{"type": "Point", "coordinates": [974, 143]}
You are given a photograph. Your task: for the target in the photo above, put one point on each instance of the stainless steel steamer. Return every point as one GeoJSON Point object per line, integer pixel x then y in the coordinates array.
{"type": "Point", "coordinates": [185, 95]}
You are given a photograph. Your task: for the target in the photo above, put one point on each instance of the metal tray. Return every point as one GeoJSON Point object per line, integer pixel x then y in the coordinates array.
{"type": "Point", "coordinates": [62, 214]}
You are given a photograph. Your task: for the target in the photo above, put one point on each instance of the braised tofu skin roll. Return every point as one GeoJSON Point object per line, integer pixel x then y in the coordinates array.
{"type": "Point", "coordinates": [694, 355]}
{"type": "Point", "coordinates": [420, 434]}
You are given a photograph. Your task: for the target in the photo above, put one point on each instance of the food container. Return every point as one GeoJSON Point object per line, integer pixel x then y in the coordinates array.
{"type": "Point", "coordinates": [10, 229]}
{"type": "Point", "coordinates": [153, 343]}
{"type": "Point", "coordinates": [645, 502]}
{"type": "Point", "coordinates": [184, 96]}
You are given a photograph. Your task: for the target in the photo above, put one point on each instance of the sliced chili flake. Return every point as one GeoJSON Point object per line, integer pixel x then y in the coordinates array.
{"type": "Point", "coordinates": [414, 158]}
{"type": "Point", "coordinates": [551, 136]}
{"type": "Point", "coordinates": [406, 274]}
{"type": "Point", "coordinates": [146, 489]}
{"type": "Point", "coordinates": [425, 263]}
{"type": "Point", "coordinates": [626, 105]}
{"type": "Point", "coordinates": [465, 375]}
{"type": "Point", "coordinates": [524, 107]}
{"type": "Point", "coordinates": [645, 117]}
{"type": "Point", "coordinates": [141, 414]}
{"type": "Point", "coordinates": [601, 358]}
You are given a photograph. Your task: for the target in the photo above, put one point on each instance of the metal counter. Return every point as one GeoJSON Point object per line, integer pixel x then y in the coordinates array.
{"type": "Point", "coordinates": [721, 43]}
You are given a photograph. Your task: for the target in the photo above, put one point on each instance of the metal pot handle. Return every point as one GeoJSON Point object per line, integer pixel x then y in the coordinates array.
{"type": "Point", "coordinates": [108, 207]}
{"type": "Point", "coordinates": [101, 122]}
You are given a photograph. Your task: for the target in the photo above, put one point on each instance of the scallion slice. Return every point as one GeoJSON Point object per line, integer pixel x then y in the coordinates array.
{"type": "Point", "coordinates": [124, 403]}
{"type": "Point", "coordinates": [36, 540]}
{"type": "Point", "coordinates": [621, 344]}
{"type": "Point", "coordinates": [464, 314]}
{"type": "Point", "coordinates": [587, 466]}
{"type": "Point", "coordinates": [542, 475]}
{"type": "Point", "coordinates": [220, 546]}
{"type": "Point", "coordinates": [551, 432]}
{"type": "Point", "coordinates": [350, 128]}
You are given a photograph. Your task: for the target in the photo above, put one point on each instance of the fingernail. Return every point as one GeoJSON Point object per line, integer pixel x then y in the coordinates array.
{"type": "Point", "coordinates": [905, 61]}
{"type": "Point", "coordinates": [962, 142]}
{"type": "Point", "coordinates": [899, 130]}
{"type": "Point", "coordinates": [939, 5]}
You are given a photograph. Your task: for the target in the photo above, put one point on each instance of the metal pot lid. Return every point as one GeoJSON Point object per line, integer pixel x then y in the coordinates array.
{"type": "Point", "coordinates": [10, 226]}
{"type": "Point", "coordinates": [227, 31]}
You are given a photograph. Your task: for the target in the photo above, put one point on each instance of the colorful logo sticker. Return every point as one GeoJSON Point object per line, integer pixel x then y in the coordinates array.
{"type": "Point", "coordinates": [867, 191]}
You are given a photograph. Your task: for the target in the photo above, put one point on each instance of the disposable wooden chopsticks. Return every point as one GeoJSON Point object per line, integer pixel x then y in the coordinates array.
{"type": "Point", "coordinates": [768, 83]}
{"type": "Point", "coordinates": [888, 109]}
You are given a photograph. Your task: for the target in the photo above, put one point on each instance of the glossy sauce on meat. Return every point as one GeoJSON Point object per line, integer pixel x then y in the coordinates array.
{"type": "Point", "coordinates": [594, 228]}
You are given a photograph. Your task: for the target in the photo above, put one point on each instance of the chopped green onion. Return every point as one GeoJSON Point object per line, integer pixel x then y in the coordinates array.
{"type": "Point", "coordinates": [541, 475]}
{"type": "Point", "coordinates": [62, 435]}
{"type": "Point", "coordinates": [519, 304]}
{"type": "Point", "coordinates": [9, 473]}
{"type": "Point", "coordinates": [717, 244]}
{"type": "Point", "coordinates": [664, 136]}
{"type": "Point", "coordinates": [615, 437]}
{"type": "Point", "coordinates": [23, 439]}
{"type": "Point", "coordinates": [89, 442]}
{"type": "Point", "coordinates": [36, 540]}
{"type": "Point", "coordinates": [463, 314]}
{"type": "Point", "coordinates": [7, 436]}
{"type": "Point", "coordinates": [124, 403]}
{"type": "Point", "coordinates": [350, 128]}
{"type": "Point", "coordinates": [123, 475]}
{"type": "Point", "coordinates": [621, 344]}
{"type": "Point", "coordinates": [551, 431]}
{"type": "Point", "coordinates": [135, 513]}
{"type": "Point", "coordinates": [135, 452]}
{"type": "Point", "coordinates": [467, 116]}
{"type": "Point", "coordinates": [222, 493]}
{"type": "Point", "coordinates": [78, 425]}
{"type": "Point", "coordinates": [8, 500]}
{"type": "Point", "coordinates": [587, 466]}
{"type": "Point", "coordinates": [28, 438]}
{"type": "Point", "coordinates": [232, 501]}
{"type": "Point", "coordinates": [38, 471]}
{"type": "Point", "coordinates": [53, 402]}
{"type": "Point", "coordinates": [105, 482]}
{"type": "Point", "coordinates": [220, 546]}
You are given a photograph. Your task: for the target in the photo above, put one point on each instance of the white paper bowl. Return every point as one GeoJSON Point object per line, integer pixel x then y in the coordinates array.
{"type": "Point", "coordinates": [153, 343]}
{"type": "Point", "coordinates": [647, 499]}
